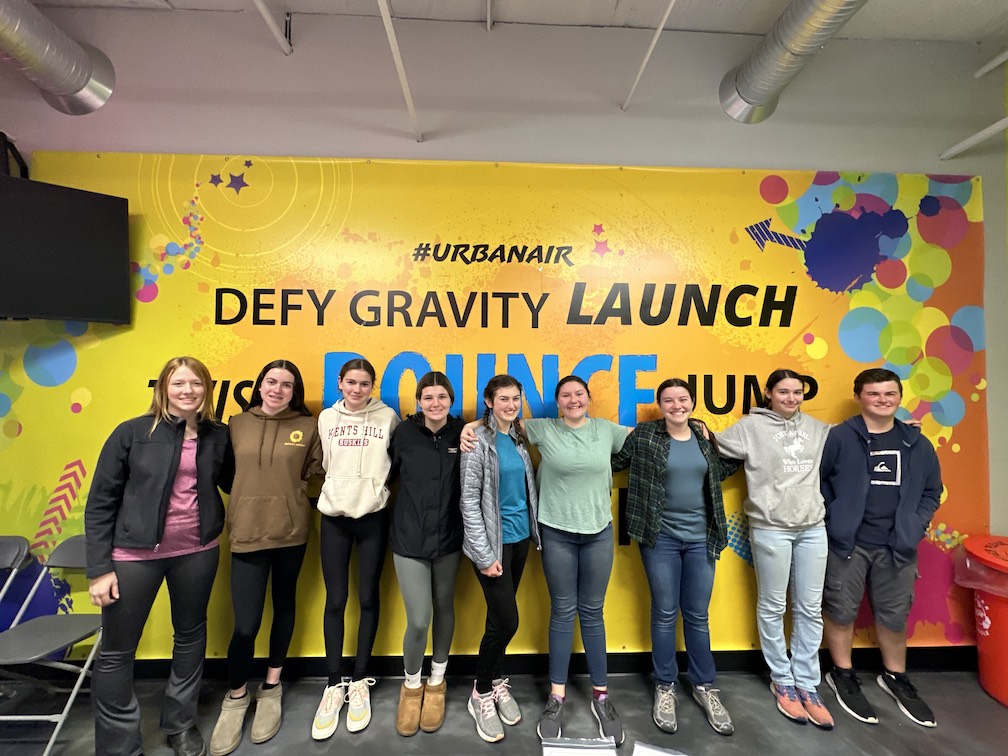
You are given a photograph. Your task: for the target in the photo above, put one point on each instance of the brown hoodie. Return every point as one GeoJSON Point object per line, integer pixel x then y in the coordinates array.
{"type": "Point", "coordinates": [274, 458]}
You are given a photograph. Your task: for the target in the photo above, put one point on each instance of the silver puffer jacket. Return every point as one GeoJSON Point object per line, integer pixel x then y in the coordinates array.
{"type": "Point", "coordinates": [481, 518]}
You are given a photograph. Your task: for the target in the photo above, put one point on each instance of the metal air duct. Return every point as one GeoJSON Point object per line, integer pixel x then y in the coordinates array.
{"type": "Point", "coordinates": [74, 78]}
{"type": "Point", "coordinates": [750, 92]}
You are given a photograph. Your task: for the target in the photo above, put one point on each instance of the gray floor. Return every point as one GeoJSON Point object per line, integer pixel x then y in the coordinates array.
{"type": "Point", "coordinates": [969, 722]}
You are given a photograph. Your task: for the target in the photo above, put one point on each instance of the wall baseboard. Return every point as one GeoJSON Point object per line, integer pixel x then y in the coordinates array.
{"type": "Point", "coordinates": [932, 659]}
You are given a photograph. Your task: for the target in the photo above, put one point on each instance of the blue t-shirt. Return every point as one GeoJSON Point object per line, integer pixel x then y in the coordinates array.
{"type": "Point", "coordinates": [511, 491]}
{"type": "Point", "coordinates": [685, 513]}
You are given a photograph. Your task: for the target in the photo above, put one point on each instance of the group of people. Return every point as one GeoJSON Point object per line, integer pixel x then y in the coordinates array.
{"type": "Point", "coordinates": [832, 511]}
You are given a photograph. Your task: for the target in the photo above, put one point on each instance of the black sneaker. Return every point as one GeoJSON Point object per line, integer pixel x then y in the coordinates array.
{"type": "Point", "coordinates": [910, 703]}
{"type": "Point", "coordinates": [847, 687]}
{"type": "Point", "coordinates": [609, 725]}
{"type": "Point", "coordinates": [551, 720]}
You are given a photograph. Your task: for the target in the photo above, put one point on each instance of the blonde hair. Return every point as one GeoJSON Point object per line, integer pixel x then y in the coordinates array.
{"type": "Point", "coordinates": [159, 402]}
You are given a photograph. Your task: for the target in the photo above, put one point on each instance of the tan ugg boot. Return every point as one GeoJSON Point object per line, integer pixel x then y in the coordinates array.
{"type": "Point", "coordinates": [227, 733]}
{"type": "Point", "coordinates": [432, 714]}
{"type": "Point", "coordinates": [408, 717]}
{"type": "Point", "coordinates": [268, 713]}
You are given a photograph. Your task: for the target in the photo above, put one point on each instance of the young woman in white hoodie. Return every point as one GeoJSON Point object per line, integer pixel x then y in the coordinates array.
{"type": "Point", "coordinates": [355, 434]}
{"type": "Point", "coordinates": [781, 448]}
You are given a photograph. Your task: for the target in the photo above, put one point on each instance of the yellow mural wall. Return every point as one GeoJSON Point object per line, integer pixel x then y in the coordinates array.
{"type": "Point", "coordinates": [625, 276]}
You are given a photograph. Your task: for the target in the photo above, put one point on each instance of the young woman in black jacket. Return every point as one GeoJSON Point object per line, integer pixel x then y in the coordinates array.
{"type": "Point", "coordinates": [426, 541]}
{"type": "Point", "coordinates": [153, 515]}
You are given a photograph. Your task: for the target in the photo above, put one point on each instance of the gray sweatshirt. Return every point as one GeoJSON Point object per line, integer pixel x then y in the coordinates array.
{"type": "Point", "coordinates": [781, 460]}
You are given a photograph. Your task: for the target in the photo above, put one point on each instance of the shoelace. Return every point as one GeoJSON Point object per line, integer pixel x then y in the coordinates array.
{"type": "Point", "coordinates": [667, 701]}
{"type": "Point", "coordinates": [487, 707]}
{"type": "Point", "coordinates": [358, 689]}
{"type": "Point", "coordinates": [787, 691]}
{"type": "Point", "coordinates": [906, 687]}
{"type": "Point", "coordinates": [333, 693]}
{"type": "Point", "coordinates": [500, 690]}
{"type": "Point", "coordinates": [608, 710]}
{"type": "Point", "coordinates": [713, 700]}
{"type": "Point", "coordinates": [552, 710]}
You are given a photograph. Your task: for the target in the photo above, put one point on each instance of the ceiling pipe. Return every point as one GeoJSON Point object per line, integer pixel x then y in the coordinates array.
{"type": "Point", "coordinates": [749, 93]}
{"type": "Point", "coordinates": [74, 78]}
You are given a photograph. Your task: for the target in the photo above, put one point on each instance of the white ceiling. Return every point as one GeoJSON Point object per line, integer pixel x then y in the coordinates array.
{"type": "Point", "coordinates": [934, 20]}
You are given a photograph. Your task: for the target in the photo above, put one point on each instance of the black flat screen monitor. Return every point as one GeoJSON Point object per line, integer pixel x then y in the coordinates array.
{"type": "Point", "coordinates": [64, 253]}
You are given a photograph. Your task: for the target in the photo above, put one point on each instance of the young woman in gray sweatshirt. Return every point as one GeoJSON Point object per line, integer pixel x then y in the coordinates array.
{"type": "Point", "coordinates": [781, 449]}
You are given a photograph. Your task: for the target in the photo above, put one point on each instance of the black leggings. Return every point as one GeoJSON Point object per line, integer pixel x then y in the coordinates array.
{"type": "Point", "coordinates": [116, 709]}
{"type": "Point", "coordinates": [250, 572]}
{"type": "Point", "coordinates": [502, 613]}
{"type": "Point", "coordinates": [337, 537]}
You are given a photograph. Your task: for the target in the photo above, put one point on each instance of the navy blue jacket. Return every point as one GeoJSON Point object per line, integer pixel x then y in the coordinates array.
{"type": "Point", "coordinates": [845, 476]}
{"type": "Point", "coordinates": [133, 482]}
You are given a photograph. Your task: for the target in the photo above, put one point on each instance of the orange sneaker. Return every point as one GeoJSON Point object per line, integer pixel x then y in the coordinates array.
{"type": "Point", "coordinates": [788, 703]}
{"type": "Point", "coordinates": [815, 709]}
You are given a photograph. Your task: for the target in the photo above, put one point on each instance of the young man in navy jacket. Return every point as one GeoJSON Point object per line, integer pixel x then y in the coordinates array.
{"type": "Point", "coordinates": [882, 483]}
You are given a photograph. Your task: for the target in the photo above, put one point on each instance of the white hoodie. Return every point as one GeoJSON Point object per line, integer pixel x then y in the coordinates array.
{"type": "Point", "coordinates": [781, 467]}
{"type": "Point", "coordinates": [355, 457]}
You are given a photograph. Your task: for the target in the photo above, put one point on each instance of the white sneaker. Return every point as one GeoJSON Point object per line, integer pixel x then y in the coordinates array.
{"type": "Point", "coordinates": [327, 714]}
{"type": "Point", "coordinates": [359, 704]}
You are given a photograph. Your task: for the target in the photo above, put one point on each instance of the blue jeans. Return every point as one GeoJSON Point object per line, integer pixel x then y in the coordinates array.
{"type": "Point", "coordinates": [797, 557]}
{"type": "Point", "coordinates": [577, 569]}
{"type": "Point", "coordinates": [681, 577]}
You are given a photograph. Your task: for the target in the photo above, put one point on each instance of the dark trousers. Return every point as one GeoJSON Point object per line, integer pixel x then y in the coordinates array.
{"type": "Point", "coordinates": [502, 613]}
{"type": "Point", "coordinates": [338, 535]}
{"type": "Point", "coordinates": [250, 572]}
{"type": "Point", "coordinates": [116, 710]}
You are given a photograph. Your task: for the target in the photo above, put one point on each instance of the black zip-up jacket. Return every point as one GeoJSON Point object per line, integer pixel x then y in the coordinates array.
{"type": "Point", "coordinates": [846, 477]}
{"type": "Point", "coordinates": [426, 518]}
{"type": "Point", "coordinates": [133, 481]}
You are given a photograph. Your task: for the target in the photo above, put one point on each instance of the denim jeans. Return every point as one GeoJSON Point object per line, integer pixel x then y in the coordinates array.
{"type": "Point", "coordinates": [681, 577]}
{"type": "Point", "coordinates": [797, 557]}
{"type": "Point", "coordinates": [577, 569]}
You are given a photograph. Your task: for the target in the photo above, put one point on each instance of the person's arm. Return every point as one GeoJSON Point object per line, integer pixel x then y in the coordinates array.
{"type": "Point", "coordinates": [313, 459]}
{"type": "Point", "coordinates": [931, 496]}
{"type": "Point", "coordinates": [621, 459]}
{"type": "Point", "coordinates": [826, 468]}
{"type": "Point", "coordinates": [473, 470]}
{"type": "Point", "coordinates": [100, 512]}
{"type": "Point", "coordinates": [731, 442]}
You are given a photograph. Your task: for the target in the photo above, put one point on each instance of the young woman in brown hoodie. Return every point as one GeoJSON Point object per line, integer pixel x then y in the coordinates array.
{"type": "Point", "coordinates": [277, 450]}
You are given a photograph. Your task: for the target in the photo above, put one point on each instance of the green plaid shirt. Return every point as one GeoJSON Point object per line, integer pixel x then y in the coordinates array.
{"type": "Point", "coordinates": [646, 454]}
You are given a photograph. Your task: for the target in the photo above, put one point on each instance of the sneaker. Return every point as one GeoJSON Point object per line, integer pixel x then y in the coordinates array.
{"type": "Point", "coordinates": [910, 703]}
{"type": "Point", "coordinates": [815, 709]}
{"type": "Point", "coordinates": [358, 714]}
{"type": "Point", "coordinates": [507, 707]}
{"type": "Point", "coordinates": [609, 725]}
{"type": "Point", "coordinates": [717, 714]}
{"type": "Point", "coordinates": [788, 703]}
{"type": "Point", "coordinates": [551, 720]}
{"type": "Point", "coordinates": [484, 711]}
{"type": "Point", "coordinates": [847, 686]}
{"type": "Point", "coordinates": [664, 710]}
{"type": "Point", "coordinates": [327, 714]}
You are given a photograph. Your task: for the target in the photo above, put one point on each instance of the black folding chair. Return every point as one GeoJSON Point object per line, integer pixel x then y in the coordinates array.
{"type": "Point", "coordinates": [37, 639]}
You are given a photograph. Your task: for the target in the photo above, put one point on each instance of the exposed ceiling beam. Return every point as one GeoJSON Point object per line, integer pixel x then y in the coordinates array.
{"type": "Point", "coordinates": [386, 15]}
{"type": "Point", "coordinates": [647, 55]}
{"type": "Point", "coordinates": [990, 65]}
{"type": "Point", "coordinates": [283, 39]}
{"type": "Point", "coordinates": [980, 136]}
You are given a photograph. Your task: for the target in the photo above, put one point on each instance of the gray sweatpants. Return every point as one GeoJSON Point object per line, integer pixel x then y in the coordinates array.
{"type": "Point", "coordinates": [428, 588]}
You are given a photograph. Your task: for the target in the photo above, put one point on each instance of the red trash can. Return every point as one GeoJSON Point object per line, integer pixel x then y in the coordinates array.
{"type": "Point", "coordinates": [991, 616]}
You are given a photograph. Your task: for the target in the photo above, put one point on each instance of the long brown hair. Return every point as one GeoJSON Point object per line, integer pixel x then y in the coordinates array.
{"type": "Point", "coordinates": [494, 385]}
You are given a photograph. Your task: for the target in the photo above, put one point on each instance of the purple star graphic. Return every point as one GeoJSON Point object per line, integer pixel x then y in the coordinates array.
{"type": "Point", "coordinates": [215, 179]}
{"type": "Point", "coordinates": [237, 182]}
{"type": "Point", "coordinates": [598, 229]}
{"type": "Point", "coordinates": [601, 248]}
{"type": "Point", "coordinates": [248, 163]}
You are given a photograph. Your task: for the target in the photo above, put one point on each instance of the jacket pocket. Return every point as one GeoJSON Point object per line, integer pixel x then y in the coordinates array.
{"type": "Point", "coordinates": [255, 518]}
{"type": "Point", "coordinates": [352, 497]}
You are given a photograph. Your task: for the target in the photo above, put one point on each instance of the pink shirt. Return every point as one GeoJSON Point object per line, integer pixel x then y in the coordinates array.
{"type": "Point", "coordinates": [181, 531]}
